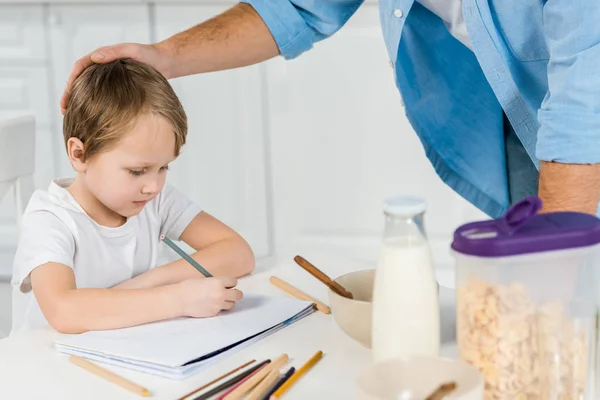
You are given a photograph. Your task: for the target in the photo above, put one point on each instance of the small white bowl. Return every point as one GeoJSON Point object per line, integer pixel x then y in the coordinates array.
{"type": "Point", "coordinates": [353, 316]}
{"type": "Point", "coordinates": [416, 377]}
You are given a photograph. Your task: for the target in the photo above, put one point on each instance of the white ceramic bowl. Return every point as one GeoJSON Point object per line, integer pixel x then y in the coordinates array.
{"type": "Point", "coordinates": [416, 377]}
{"type": "Point", "coordinates": [353, 316]}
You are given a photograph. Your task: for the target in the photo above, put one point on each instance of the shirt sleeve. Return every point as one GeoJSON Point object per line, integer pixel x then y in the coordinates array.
{"type": "Point", "coordinates": [297, 24]}
{"type": "Point", "coordinates": [570, 113]}
{"type": "Point", "coordinates": [44, 238]}
{"type": "Point", "coordinates": [176, 212]}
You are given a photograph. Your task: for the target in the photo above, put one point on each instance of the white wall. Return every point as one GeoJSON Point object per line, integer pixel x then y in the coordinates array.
{"type": "Point", "coordinates": [292, 154]}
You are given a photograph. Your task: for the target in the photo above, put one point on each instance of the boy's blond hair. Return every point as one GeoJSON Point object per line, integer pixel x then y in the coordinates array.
{"type": "Point", "coordinates": [107, 100]}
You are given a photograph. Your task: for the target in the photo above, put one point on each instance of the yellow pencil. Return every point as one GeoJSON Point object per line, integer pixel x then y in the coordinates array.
{"type": "Point", "coordinates": [313, 360]}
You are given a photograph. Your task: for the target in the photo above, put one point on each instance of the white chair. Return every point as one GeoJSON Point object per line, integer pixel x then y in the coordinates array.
{"type": "Point", "coordinates": [17, 160]}
{"type": "Point", "coordinates": [17, 165]}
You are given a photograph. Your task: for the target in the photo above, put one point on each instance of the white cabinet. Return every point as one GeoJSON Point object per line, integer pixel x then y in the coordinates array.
{"type": "Point", "coordinates": [223, 165]}
{"type": "Point", "coordinates": [22, 33]}
{"type": "Point", "coordinates": [340, 144]}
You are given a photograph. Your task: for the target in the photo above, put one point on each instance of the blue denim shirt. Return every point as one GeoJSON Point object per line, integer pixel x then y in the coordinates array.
{"type": "Point", "coordinates": [533, 59]}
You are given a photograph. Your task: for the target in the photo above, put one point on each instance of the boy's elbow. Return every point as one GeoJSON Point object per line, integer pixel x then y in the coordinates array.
{"type": "Point", "coordinates": [62, 320]}
{"type": "Point", "coordinates": [65, 326]}
{"type": "Point", "coordinates": [247, 260]}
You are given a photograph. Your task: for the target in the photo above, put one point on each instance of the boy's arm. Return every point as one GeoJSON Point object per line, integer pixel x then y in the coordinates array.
{"type": "Point", "coordinates": [72, 310]}
{"type": "Point", "coordinates": [219, 249]}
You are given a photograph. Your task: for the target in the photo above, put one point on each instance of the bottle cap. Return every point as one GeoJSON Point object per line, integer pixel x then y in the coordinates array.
{"type": "Point", "coordinates": [404, 205]}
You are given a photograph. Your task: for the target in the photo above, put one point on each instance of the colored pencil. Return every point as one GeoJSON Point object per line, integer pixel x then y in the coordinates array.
{"type": "Point", "coordinates": [280, 382]}
{"type": "Point", "coordinates": [239, 393]}
{"type": "Point", "coordinates": [232, 381]}
{"type": "Point", "coordinates": [233, 371]}
{"type": "Point", "coordinates": [109, 376]}
{"type": "Point", "coordinates": [240, 383]}
{"type": "Point", "coordinates": [320, 275]}
{"type": "Point", "coordinates": [185, 256]}
{"type": "Point", "coordinates": [308, 365]}
{"type": "Point", "coordinates": [297, 293]}
{"type": "Point", "coordinates": [264, 386]}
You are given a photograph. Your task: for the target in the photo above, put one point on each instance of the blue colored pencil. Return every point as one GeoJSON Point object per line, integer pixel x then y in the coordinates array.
{"type": "Point", "coordinates": [280, 382]}
{"type": "Point", "coordinates": [183, 254]}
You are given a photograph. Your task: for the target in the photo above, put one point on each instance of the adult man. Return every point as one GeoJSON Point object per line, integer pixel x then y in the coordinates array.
{"type": "Point", "coordinates": [495, 89]}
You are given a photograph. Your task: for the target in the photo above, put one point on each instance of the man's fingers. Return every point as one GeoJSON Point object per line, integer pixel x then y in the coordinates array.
{"type": "Point", "coordinates": [99, 56]}
{"type": "Point", "coordinates": [108, 54]}
{"type": "Point", "coordinates": [78, 68]}
{"type": "Point", "coordinates": [123, 50]}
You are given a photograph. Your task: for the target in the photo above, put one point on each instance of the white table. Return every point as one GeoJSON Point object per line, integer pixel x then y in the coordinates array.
{"type": "Point", "coordinates": [30, 368]}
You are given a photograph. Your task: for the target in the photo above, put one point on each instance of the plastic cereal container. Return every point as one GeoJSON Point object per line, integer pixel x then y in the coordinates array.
{"type": "Point", "coordinates": [527, 302]}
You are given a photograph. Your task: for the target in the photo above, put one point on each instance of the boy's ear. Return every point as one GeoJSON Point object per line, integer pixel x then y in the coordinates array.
{"type": "Point", "coordinates": [75, 151]}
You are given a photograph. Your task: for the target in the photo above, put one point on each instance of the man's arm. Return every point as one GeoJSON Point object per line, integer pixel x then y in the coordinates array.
{"type": "Point", "coordinates": [236, 38]}
{"type": "Point", "coordinates": [248, 33]}
{"type": "Point", "coordinates": [570, 187]}
{"type": "Point", "coordinates": [569, 135]}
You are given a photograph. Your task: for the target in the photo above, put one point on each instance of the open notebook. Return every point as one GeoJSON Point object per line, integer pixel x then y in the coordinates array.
{"type": "Point", "coordinates": [179, 347]}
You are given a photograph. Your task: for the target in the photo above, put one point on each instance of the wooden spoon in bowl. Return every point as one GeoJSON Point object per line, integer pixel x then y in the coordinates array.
{"type": "Point", "coordinates": [317, 273]}
{"type": "Point", "coordinates": [442, 391]}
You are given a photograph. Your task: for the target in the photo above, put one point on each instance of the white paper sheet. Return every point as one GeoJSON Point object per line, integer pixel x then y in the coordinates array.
{"type": "Point", "coordinates": [163, 348]}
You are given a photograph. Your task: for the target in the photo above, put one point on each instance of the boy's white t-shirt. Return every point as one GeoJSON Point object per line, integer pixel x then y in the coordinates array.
{"type": "Point", "coordinates": [56, 229]}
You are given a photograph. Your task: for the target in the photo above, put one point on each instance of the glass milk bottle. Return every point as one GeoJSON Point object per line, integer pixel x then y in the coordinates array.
{"type": "Point", "coordinates": [406, 316]}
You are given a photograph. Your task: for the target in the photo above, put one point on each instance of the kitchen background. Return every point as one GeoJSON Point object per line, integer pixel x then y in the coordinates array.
{"type": "Point", "coordinates": [295, 155]}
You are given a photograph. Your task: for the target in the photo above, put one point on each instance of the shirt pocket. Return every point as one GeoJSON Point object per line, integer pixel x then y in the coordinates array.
{"type": "Point", "coordinates": [521, 25]}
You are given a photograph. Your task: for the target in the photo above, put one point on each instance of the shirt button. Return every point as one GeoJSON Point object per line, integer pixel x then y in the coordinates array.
{"type": "Point", "coordinates": [398, 13]}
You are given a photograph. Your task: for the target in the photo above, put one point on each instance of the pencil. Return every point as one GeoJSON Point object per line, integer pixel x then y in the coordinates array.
{"type": "Point", "coordinates": [109, 376]}
{"type": "Point", "coordinates": [185, 256]}
{"type": "Point", "coordinates": [313, 360]}
{"type": "Point", "coordinates": [297, 293]}
{"type": "Point", "coordinates": [240, 383]}
{"type": "Point", "coordinates": [320, 275]}
{"type": "Point", "coordinates": [280, 382]}
{"type": "Point", "coordinates": [252, 382]}
{"type": "Point", "coordinates": [232, 381]}
{"type": "Point", "coordinates": [263, 387]}
{"type": "Point", "coordinates": [233, 371]}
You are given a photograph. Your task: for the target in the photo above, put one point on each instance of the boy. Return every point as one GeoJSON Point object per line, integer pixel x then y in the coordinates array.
{"type": "Point", "coordinates": [87, 253]}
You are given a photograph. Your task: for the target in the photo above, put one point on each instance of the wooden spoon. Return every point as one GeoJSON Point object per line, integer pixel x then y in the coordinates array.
{"type": "Point", "coordinates": [317, 273]}
{"type": "Point", "coordinates": [442, 391]}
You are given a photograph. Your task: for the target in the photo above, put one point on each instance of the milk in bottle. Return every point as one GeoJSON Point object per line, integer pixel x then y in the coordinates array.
{"type": "Point", "coordinates": [405, 296]}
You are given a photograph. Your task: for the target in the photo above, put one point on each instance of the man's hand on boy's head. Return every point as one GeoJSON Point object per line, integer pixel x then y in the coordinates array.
{"type": "Point", "coordinates": [145, 53]}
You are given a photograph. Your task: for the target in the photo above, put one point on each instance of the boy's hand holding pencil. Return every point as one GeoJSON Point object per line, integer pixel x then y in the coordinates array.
{"type": "Point", "coordinates": [206, 297]}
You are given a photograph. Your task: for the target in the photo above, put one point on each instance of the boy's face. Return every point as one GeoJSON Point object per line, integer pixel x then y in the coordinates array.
{"type": "Point", "coordinates": [133, 172]}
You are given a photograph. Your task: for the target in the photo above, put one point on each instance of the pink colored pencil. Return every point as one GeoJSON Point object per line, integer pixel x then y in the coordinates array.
{"type": "Point", "coordinates": [231, 389]}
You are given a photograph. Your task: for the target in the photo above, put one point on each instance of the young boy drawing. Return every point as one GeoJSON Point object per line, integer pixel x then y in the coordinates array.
{"type": "Point", "coordinates": [87, 253]}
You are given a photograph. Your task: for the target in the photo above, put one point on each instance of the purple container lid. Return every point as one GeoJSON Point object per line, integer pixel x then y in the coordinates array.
{"type": "Point", "coordinates": [522, 231]}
